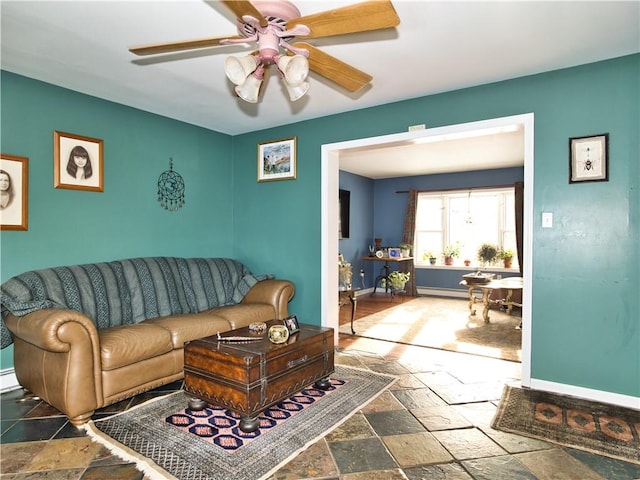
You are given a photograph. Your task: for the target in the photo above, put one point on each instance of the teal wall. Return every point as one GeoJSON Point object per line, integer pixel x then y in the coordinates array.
{"type": "Point", "coordinates": [586, 318]}
{"type": "Point", "coordinates": [72, 226]}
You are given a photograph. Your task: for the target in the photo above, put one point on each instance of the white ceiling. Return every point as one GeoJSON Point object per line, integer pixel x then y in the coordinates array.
{"type": "Point", "coordinates": [472, 150]}
{"type": "Point", "coordinates": [438, 46]}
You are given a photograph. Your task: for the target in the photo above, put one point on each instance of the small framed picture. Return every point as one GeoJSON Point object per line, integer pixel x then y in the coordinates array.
{"type": "Point", "coordinates": [291, 322]}
{"type": "Point", "coordinates": [395, 253]}
{"type": "Point", "coordinates": [78, 162]}
{"type": "Point", "coordinates": [589, 158]}
{"type": "Point", "coordinates": [14, 198]}
{"type": "Point", "coordinates": [277, 160]}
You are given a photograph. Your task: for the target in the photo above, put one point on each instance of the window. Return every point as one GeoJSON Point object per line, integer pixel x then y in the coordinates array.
{"type": "Point", "coordinates": [468, 217]}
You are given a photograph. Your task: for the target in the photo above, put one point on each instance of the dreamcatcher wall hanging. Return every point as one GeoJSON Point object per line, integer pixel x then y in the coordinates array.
{"type": "Point", "coordinates": [171, 189]}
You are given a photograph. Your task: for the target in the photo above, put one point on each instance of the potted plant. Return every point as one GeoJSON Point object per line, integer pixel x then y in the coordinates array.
{"type": "Point", "coordinates": [450, 252]}
{"type": "Point", "coordinates": [397, 280]}
{"type": "Point", "coordinates": [405, 249]}
{"type": "Point", "coordinates": [429, 255]}
{"type": "Point", "coordinates": [507, 257]}
{"type": "Point", "coordinates": [487, 253]}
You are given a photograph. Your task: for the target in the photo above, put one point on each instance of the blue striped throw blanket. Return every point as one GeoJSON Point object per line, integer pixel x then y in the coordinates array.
{"type": "Point", "coordinates": [128, 291]}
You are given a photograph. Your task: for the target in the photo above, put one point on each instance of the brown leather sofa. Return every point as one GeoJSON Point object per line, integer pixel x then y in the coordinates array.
{"type": "Point", "coordinates": [61, 355]}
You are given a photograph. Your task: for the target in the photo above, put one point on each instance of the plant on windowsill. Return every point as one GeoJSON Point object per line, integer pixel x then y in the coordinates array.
{"type": "Point", "coordinates": [487, 254]}
{"type": "Point", "coordinates": [507, 257]}
{"type": "Point", "coordinates": [429, 255]}
{"type": "Point", "coordinates": [450, 252]}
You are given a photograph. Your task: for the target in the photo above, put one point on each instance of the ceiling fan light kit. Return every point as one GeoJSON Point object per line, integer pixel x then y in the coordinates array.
{"type": "Point", "coordinates": [250, 88]}
{"type": "Point", "coordinates": [239, 68]}
{"type": "Point", "coordinates": [273, 25]}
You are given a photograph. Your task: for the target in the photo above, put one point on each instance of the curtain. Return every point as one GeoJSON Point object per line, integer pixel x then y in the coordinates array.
{"type": "Point", "coordinates": [408, 237]}
{"type": "Point", "coordinates": [519, 204]}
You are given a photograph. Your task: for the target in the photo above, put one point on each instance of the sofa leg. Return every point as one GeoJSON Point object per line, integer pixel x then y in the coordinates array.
{"type": "Point", "coordinates": [81, 419]}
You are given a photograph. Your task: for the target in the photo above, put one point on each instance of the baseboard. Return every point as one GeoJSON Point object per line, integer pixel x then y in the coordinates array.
{"type": "Point", "coordinates": [587, 393]}
{"type": "Point", "coordinates": [425, 291]}
{"type": "Point", "coordinates": [8, 380]}
{"type": "Point", "coordinates": [443, 292]}
{"type": "Point", "coordinates": [364, 291]}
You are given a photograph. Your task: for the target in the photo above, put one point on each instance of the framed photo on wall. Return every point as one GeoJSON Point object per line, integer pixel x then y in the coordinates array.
{"type": "Point", "coordinates": [277, 160]}
{"type": "Point", "coordinates": [589, 158]}
{"type": "Point", "coordinates": [14, 184]}
{"type": "Point", "coordinates": [78, 162]}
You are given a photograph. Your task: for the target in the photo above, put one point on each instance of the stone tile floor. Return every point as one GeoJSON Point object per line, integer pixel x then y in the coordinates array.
{"type": "Point", "coordinates": [432, 424]}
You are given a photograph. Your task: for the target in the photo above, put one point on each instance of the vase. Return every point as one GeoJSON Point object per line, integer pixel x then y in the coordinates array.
{"type": "Point", "coordinates": [448, 260]}
{"type": "Point", "coordinates": [278, 334]}
{"type": "Point", "coordinates": [345, 275]}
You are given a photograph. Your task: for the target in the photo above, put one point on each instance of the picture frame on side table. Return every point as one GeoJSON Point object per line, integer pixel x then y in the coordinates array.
{"type": "Point", "coordinates": [78, 162]}
{"type": "Point", "coordinates": [394, 253]}
{"type": "Point", "coordinates": [277, 160]}
{"type": "Point", "coordinates": [14, 195]}
{"type": "Point", "coordinates": [589, 158]}
{"type": "Point", "coordinates": [291, 322]}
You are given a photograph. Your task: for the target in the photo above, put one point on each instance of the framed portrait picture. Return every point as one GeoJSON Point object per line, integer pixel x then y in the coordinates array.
{"type": "Point", "coordinates": [589, 158]}
{"type": "Point", "coordinates": [395, 253]}
{"type": "Point", "coordinates": [291, 322]}
{"type": "Point", "coordinates": [277, 160]}
{"type": "Point", "coordinates": [78, 162]}
{"type": "Point", "coordinates": [14, 183]}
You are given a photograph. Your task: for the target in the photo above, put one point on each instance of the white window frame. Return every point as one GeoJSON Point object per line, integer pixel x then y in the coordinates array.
{"type": "Point", "coordinates": [445, 227]}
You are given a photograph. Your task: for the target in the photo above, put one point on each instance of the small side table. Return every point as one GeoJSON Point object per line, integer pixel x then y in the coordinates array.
{"type": "Point", "coordinates": [385, 270]}
{"type": "Point", "coordinates": [345, 296]}
{"type": "Point", "coordinates": [509, 284]}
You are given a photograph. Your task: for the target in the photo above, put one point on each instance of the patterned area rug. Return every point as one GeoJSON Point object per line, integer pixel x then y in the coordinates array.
{"type": "Point", "coordinates": [220, 426]}
{"type": "Point", "coordinates": [149, 436]}
{"type": "Point", "coordinates": [444, 323]}
{"type": "Point", "coordinates": [569, 421]}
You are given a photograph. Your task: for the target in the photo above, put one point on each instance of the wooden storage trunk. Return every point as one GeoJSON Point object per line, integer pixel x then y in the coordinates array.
{"type": "Point", "coordinates": [250, 377]}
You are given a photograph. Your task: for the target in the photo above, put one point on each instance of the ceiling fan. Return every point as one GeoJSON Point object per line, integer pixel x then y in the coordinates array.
{"type": "Point", "coordinates": [275, 25]}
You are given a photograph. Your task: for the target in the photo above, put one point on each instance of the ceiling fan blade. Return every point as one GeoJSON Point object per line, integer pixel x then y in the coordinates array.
{"type": "Point", "coordinates": [360, 17]}
{"type": "Point", "coordinates": [243, 7]}
{"type": "Point", "coordinates": [178, 46]}
{"type": "Point", "coordinates": [335, 70]}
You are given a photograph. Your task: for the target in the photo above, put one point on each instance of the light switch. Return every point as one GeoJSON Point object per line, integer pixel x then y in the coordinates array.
{"type": "Point", "coordinates": [547, 220]}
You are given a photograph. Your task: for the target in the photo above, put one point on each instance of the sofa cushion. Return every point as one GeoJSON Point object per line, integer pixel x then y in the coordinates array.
{"type": "Point", "coordinates": [127, 344]}
{"type": "Point", "coordinates": [184, 328]}
{"type": "Point", "coordinates": [242, 315]}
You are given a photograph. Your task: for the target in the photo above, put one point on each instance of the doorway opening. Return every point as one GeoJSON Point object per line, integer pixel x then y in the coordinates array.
{"type": "Point", "coordinates": [330, 158]}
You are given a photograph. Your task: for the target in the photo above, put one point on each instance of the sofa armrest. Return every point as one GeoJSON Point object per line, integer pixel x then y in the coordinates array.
{"type": "Point", "coordinates": [274, 292]}
{"type": "Point", "coordinates": [57, 357]}
{"type": "Point", "coordinates": [49, 329]}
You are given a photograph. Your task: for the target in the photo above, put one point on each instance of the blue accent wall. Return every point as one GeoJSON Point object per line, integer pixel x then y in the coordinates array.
{"type": "Point", "coordinates": [380, 212]}
{"type": "Point", "coordinates": [361, 228]}
{"type": "Point", "coordinates": [390, 209]}
{"type": "Point", "coordinates": [586, 314]}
